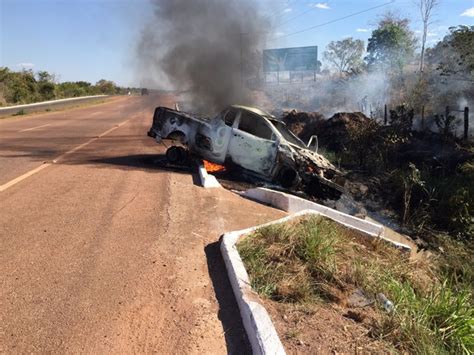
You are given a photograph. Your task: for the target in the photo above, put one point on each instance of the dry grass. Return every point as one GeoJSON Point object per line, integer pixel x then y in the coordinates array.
{"type": "Point", "coordinates": [316, 259]}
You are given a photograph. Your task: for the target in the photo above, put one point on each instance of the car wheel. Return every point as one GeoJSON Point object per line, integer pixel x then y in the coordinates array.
{"type": "Point", "coordinates": [175, 155]}
{"type": "Point", "coordinates": [287, 177]}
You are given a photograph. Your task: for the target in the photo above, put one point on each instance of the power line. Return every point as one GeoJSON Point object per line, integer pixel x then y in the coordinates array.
{"type": "Point", "coordinates": [332, 21]}
{"type": "Point", "coordinates": [279, 11]}
{"type": "Point", "coordinates": [294, 17]}
{"type": "Point", "coordinates": [312, 8]}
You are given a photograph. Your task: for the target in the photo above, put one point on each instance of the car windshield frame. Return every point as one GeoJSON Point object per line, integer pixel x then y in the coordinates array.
{"type": "Point", "coordinates": [283, 129]}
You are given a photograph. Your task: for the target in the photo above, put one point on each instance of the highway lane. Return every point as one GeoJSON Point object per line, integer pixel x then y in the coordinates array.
{"type": "Point", "coordinates": [103, 251]}
{"type": "Point", "coordinates": [26, 142]}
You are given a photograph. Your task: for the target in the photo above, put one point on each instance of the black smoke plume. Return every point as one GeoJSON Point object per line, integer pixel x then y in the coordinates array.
{"type": "Point", "coordinates": [208, 48]}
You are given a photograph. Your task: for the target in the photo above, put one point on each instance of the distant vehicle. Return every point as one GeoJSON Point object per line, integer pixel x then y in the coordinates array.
{"type": "Point", "coordinates": [144, 91]}
{"type": "Point", "coordinates": [247, 137]}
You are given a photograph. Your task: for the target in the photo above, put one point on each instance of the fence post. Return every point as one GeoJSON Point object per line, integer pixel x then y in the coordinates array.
{"type": "Point", "coordinates": [423, 117]}
{"type": "Point", "coordinates": [466, 122]}
{"type": "Point", "coordinates": [385, 115]}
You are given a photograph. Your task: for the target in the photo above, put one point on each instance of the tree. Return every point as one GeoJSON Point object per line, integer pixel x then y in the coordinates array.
{"type": "Point", "coordinates": [453, 56]}
{"type": "Point", "coordinates": [46, 90]}
{"type": "Point", "coordinates": [392, 44]}
{"type": "Point", "coordinates": [105, 87]}
{"type": "Point", "coordinates": [345, 55]}
{"type": "Point", "coordinates": [46, 86]}
{"type": "Point", "coordinates": [426, 8]}
{"type": "Point", "coordinates": [23, 87]}
{"type": "Point", "coordinates": [45, 76]}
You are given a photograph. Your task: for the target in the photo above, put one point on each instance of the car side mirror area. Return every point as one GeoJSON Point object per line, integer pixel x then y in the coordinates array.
{"type": "Point", "coordinates": [313, 144]}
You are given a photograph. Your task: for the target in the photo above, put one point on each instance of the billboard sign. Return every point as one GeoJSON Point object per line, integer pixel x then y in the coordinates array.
{"type": "Point", "coordinates": [290, 59]}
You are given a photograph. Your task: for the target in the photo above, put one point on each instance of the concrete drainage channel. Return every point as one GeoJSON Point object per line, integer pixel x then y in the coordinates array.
{"type": "Point", "coordinates": [260, 330]}
{"type": "Point", "coordinates": [258, 325]}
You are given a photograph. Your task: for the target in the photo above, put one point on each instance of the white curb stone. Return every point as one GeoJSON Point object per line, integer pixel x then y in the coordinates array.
{"type": "Point", "coordinates": [258, 325]}
{"type": "Point", "coordinates": [292, 204]}
{"type": "Point", "coordinates": [207, 180]}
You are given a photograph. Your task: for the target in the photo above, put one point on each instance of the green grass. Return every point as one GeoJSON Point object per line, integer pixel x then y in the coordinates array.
{"type": "Point", "coordinates": [318, 260]}
{"type": "Point", "coordinates": [20, 113]}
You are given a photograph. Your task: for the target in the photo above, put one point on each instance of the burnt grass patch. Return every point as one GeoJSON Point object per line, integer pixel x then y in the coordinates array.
{"type": "Point", "coordinates": [322, 284]}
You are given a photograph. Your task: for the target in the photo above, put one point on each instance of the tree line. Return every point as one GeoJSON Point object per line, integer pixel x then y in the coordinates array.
{"type": "Point", "coordinates": [433, 78]}
{"type": "Point", "coordinates": [26, 86]}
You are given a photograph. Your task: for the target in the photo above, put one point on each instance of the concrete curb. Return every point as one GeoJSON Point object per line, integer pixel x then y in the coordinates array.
{"type": "Point", "coordinates": [292, 204]}
{"type": "Point", "coordinates": [260, 331]}
{"type": "Point", "coordinates": [258, 325]}
{"type": "Point", "coordinates": [11, 110]}
{"type": "Point", "coordinates": [207, 180]}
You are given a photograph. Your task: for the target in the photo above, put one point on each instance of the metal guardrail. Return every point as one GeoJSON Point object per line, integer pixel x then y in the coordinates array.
{"type": "Point", "coordinates": [42, 106]}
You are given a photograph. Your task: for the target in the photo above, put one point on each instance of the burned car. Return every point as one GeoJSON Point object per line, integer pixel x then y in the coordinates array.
{"type": "Point", "coordinates": [249, 138]}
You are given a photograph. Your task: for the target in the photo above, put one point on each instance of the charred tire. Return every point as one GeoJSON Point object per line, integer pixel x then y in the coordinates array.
{"type": "Point", "coordinates": [176, 155]}
{"type": "Point", "coordinates": [287, 177]}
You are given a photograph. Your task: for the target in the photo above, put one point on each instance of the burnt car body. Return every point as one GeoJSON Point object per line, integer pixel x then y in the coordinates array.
{"type": "Point", "coordinates": [249, 138]}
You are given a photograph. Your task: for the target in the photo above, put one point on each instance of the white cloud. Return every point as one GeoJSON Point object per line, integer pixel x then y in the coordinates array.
{"type": "Point", "coordinates": [25, 65]}
{"type": "Point", "coordinates": [279, 34]}
{"type": "Point", "coordinates": [287, 10]}
{"type": "Point", "coordinates": [362, 30]}
{"type": "Point", "coordinates": [469, 12]}
{"type": "Point", "coordinates": [432, 34]}
{"type": "Point", "coordinates": [321, 5]}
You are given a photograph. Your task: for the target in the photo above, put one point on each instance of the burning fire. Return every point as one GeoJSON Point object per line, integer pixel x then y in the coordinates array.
{"type": "Point", "coordinates": [212, 167]}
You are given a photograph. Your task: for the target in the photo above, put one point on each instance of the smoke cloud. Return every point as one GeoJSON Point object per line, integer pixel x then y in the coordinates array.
{"type": "Point", "coordinates": [367, 93]}
{"type": "Point", "coordinates": [207, 48]}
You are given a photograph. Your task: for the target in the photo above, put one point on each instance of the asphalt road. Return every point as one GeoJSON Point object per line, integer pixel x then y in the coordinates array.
{"type": "Point", "coordinates": [104, 251]}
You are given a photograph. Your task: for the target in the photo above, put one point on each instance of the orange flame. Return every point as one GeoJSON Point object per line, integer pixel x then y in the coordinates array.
{"type": "Point", "coordinates": [212, 167]}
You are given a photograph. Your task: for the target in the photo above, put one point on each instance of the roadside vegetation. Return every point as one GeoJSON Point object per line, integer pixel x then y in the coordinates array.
{"type": "Point", "coordinates": [26, 86]}
{"type": "Point", "coordinates": [317, 261]}
{"type": "Point", "coordinates": [407, 150]}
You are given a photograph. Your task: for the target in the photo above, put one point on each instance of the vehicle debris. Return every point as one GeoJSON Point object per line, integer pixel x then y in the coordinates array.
{"type": "Point", "coordinates": [250, 139]}
{"type": "Point", "coordinates": [386, 303]}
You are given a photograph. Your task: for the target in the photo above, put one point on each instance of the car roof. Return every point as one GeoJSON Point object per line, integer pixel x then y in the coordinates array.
{"type": "Point", "coordinates": [254, 110]}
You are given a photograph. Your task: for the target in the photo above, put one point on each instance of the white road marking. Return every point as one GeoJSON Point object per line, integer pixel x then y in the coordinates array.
{"type": "Point", "coordinates": [45, 165]}
{"type": "Point", "coordinates": [95, 114]}
{"type": "Point", "coordinates": [30, 129]}
{"type": "Point", "coordinates": [23, 177]}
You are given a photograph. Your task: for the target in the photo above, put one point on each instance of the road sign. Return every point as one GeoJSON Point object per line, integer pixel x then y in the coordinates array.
{"type": "Point", "coordinates": [290, 59]}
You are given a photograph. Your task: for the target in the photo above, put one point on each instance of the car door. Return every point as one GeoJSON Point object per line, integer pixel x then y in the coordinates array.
{"type": "Point", "coordinates": [253, 144]}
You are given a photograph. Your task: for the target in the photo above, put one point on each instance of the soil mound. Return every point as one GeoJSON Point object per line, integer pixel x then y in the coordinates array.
{"type": "Point", "coordinates": [335, 132]}
{"type": "Point", "coordinates": [303, 124]}
{"type": "Point", "coordinates": [332, 133]}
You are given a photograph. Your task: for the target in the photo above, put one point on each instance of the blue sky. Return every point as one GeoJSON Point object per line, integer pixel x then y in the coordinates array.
{"type": "Point", "coordinates": [94, 39]}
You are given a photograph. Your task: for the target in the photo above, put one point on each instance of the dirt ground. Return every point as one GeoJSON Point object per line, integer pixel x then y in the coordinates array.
{"type": "Point", "coordinates": [322, 329]}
